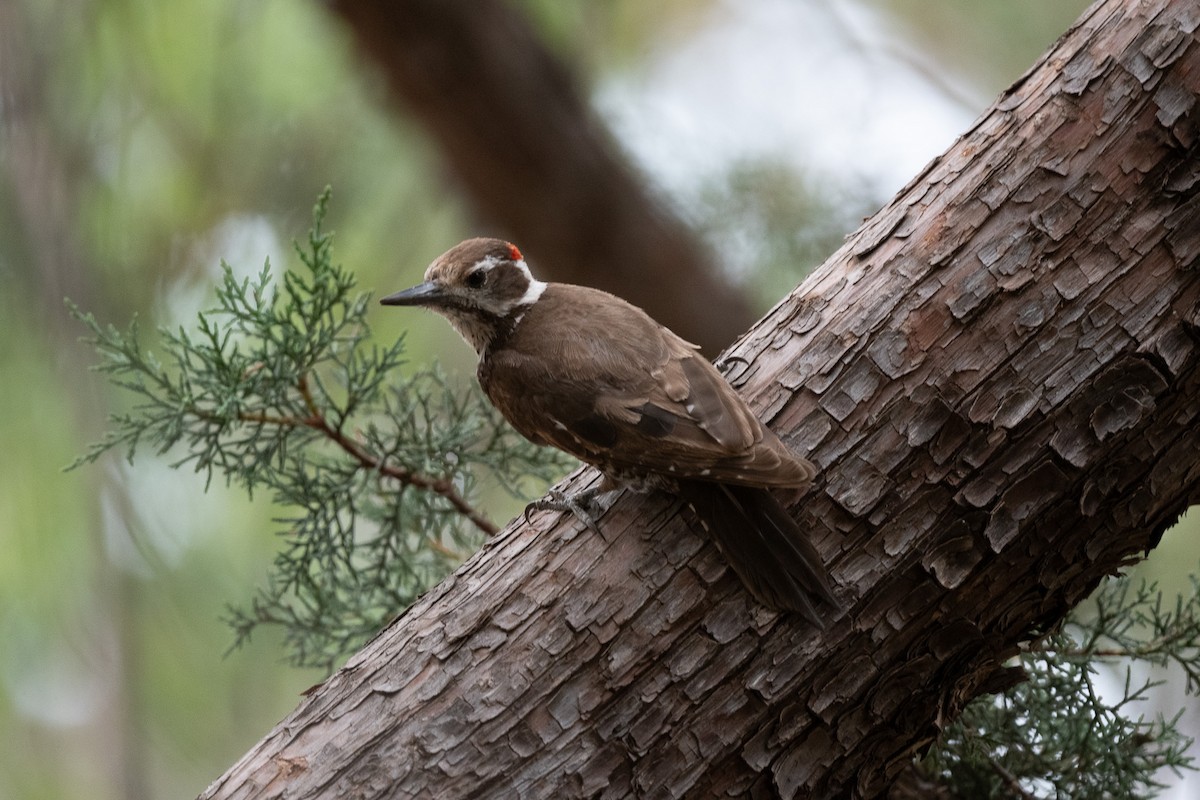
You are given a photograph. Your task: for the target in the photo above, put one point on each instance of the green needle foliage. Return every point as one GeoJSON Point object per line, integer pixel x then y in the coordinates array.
{"type": "Point", "coordinates": [1053, 735]}
{"type": "Point", "coordinates": [279, 386]}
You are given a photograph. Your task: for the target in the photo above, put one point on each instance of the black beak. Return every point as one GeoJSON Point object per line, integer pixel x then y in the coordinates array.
{"type": "Point", "coordinates": [422, 294]}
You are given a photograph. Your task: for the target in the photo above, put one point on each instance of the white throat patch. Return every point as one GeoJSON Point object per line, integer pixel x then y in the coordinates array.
{"type": "Point", "coordinates": [535, 289]}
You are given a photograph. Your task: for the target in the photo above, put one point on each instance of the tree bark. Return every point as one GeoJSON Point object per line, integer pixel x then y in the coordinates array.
{"type": "Point", "coordinates": [999, 375]}
{"type": "Point", "coordinates": [535, 161]}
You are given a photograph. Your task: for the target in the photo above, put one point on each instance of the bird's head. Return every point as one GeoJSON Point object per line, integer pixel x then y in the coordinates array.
{"type": "Point", "coordinates": [482, 286]}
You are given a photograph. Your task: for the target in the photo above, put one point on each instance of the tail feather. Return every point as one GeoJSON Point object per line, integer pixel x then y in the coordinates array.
{"type": "Point", "coordinates": [763, 544]}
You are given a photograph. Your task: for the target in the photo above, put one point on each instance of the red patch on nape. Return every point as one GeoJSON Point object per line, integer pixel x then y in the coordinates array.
{"type": "Point", "coordinates": [514, 253]}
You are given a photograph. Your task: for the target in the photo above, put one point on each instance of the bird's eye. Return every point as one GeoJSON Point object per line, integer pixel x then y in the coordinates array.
{"type": "Point", "coordinates": [476, 279]}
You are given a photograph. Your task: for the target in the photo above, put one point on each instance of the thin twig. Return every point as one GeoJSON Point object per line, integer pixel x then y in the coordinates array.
{"type": "Point", "coordinates": [317, 421]}
{"type": "Point", "coordinates": [1010, 780]}
{"type": "Point", "coordinates": [1144, 650]}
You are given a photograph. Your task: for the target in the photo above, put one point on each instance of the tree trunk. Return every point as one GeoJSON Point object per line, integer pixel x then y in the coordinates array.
{"type": "Point", "coordinates": [535, 161]}
{"type": "Point", "coordinates": [999, 376]}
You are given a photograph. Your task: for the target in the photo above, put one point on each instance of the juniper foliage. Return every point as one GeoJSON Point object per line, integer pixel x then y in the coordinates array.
{"type": "Point", "coordinates": [1055, 734]}
{"type": "Point", "coordinates": [378, 471]}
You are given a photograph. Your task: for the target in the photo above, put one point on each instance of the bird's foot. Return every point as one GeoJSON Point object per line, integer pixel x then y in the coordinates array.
{"type": "Point", "coordinates": [582, 504]}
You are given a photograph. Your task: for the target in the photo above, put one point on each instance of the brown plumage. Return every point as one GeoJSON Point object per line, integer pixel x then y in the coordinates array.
{"type": "Point", "coordinates": [585, 371]}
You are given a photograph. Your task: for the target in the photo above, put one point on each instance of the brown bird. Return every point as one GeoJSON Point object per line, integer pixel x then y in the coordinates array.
{"type": "Point", "coordinates": [588, 373]}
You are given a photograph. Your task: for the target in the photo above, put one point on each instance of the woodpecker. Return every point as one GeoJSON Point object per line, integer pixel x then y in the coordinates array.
{"type": "Point", "coordinates": [591, 374]}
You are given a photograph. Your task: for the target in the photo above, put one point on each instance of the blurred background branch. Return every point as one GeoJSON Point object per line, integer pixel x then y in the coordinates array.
{"type": "Point", "coordinates": [537, 163]}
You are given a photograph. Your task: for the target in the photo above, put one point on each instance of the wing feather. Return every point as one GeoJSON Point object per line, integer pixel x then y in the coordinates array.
{"type": "Point", "coordinates": [626, 394]}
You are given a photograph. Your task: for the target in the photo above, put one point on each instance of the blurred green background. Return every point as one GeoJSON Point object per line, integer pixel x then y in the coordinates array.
{"type": "Point", "coordinates": [142, 142]}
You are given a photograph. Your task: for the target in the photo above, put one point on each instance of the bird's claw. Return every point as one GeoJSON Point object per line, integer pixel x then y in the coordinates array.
{"type": "Point", "coordinates": [581, 504]}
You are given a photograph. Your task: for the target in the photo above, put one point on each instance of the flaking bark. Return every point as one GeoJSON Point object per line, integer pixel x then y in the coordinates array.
{"type": "Point", "coordinates": [999, 377]}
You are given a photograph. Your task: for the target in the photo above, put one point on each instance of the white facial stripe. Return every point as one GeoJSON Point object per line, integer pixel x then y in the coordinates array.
{"type": "Point", "coordinates": [486, 263]}
{"type": "Point", "coordinates": [535, 289]}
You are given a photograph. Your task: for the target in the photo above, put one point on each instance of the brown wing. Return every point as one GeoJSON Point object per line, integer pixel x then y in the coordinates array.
{"type": "Point", "coordinates": [616, 389]}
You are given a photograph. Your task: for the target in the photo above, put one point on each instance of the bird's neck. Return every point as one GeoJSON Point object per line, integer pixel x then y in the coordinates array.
{"type": "Point", "coordinates": [485, 330]}
{"type": "Point", "coordinates": [478, 330]}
